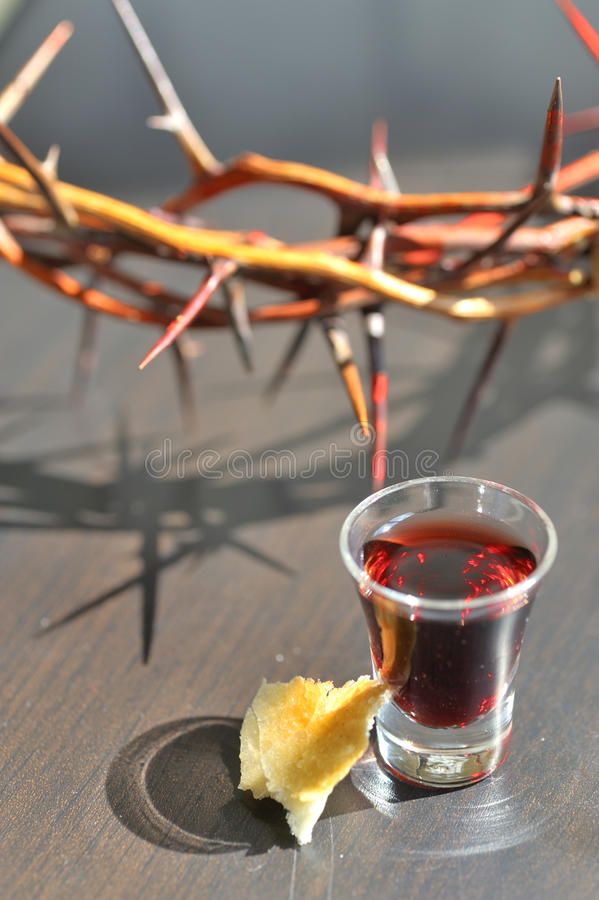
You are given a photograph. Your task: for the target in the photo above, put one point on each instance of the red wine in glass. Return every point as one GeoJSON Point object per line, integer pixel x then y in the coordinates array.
{"type": "Point", "coordinates": [446, 673]}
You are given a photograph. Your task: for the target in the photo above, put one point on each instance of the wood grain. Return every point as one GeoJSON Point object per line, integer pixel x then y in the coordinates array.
{"type": "Point", "coordinates": [242, 580]}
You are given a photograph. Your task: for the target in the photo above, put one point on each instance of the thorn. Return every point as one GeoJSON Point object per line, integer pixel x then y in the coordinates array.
{"type": "Point", "coordinates": [240, 321]}
{"type": "Point", "coordinates": [379, 391]}
{"type": "Point", "coordinates": [14, 94]}
{"type": "Point", "coordinates": [547, 174]}
{"type": "Point", "coordinates": [381, 171]}
{"type": "Point", "coordinates": [50, 164]}
{"type": "Point", "coordinates": [582, 27]}
{"type": "Point", "coordinates": [63, 212]}
{"type": "Point", "coordinates": [285, 365]}
{"type": "Point", "coordinates": [339, 343]}
{"type": "Point", "coordinates": [200, 159]}
{"type": "Point", "coordinates": [184, 383]}
{"type": "Point", "coordinates": [374, 323]}
{"type": "Point", "coordinates": [381, 175]}
{"type": "Point", "coordinates": [161, 123]}
{"type": "Point", "coordinates": [464, 420]}
{"type": "Point", "coordinates": [537, 201]}
{"type": "Point", "coordinates": [374, 251]}
{"type": "Point", "coordinates": [220, 271]}
{"type": "Point", "coordinates": [551, 148]}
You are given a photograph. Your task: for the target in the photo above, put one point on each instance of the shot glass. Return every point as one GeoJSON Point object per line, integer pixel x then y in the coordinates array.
{"type": "Point", "coordinates": [448, 661]}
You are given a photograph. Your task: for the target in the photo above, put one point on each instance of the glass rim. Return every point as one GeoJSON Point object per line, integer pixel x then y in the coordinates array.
{"type": "Point", "coordinates": [441, 604]}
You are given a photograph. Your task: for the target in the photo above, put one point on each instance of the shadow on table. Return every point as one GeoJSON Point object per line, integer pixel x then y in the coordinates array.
{"type": "Point", "coordinates": [549, 359]}
{"type": "Point", "coordinates": [176, 786]}
{"type": "Point", "coordinates": [198, 514]}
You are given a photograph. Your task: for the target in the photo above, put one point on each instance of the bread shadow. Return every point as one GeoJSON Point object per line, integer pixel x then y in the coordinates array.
{"type": "Point", "coordinates": [176, 787]}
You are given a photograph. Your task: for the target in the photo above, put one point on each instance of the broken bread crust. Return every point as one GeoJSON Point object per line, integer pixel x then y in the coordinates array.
{"type": "Point", "coordinates": [299, 739]}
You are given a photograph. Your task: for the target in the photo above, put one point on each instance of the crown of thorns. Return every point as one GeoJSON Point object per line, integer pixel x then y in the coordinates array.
{"type": "Point", "coordinates": [455, 254]}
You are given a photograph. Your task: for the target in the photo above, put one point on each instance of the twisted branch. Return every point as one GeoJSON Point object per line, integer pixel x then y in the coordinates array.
{"type": "Point", "coordinates": [386, 249]}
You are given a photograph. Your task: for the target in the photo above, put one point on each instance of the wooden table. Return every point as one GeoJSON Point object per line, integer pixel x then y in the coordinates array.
{"type": "Point", "coordinates": [118, 777]}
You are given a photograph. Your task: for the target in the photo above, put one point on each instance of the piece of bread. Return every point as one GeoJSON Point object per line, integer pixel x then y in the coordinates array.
{"type": "Point", "coordinates": [299, 739]}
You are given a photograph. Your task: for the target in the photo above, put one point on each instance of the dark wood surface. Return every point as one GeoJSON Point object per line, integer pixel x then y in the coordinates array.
{"type": "Point", "coordinates": [118, 777]}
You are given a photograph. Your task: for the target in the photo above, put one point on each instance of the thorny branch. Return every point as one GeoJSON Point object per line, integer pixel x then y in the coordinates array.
{"type": "Point", "coordinates": [426, 251]}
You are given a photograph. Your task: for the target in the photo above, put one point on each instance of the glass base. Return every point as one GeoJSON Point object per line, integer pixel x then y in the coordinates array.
{"type": "Point", "coordinates": [443, 757]}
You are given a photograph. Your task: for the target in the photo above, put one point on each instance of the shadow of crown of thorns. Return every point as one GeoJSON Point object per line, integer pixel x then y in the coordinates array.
{"type": "Point", "coordinates": [390, 246]}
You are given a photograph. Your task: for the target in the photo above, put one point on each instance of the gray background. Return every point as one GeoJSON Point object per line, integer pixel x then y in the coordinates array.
{"type": "Point", "coordinates": [301, 80]}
